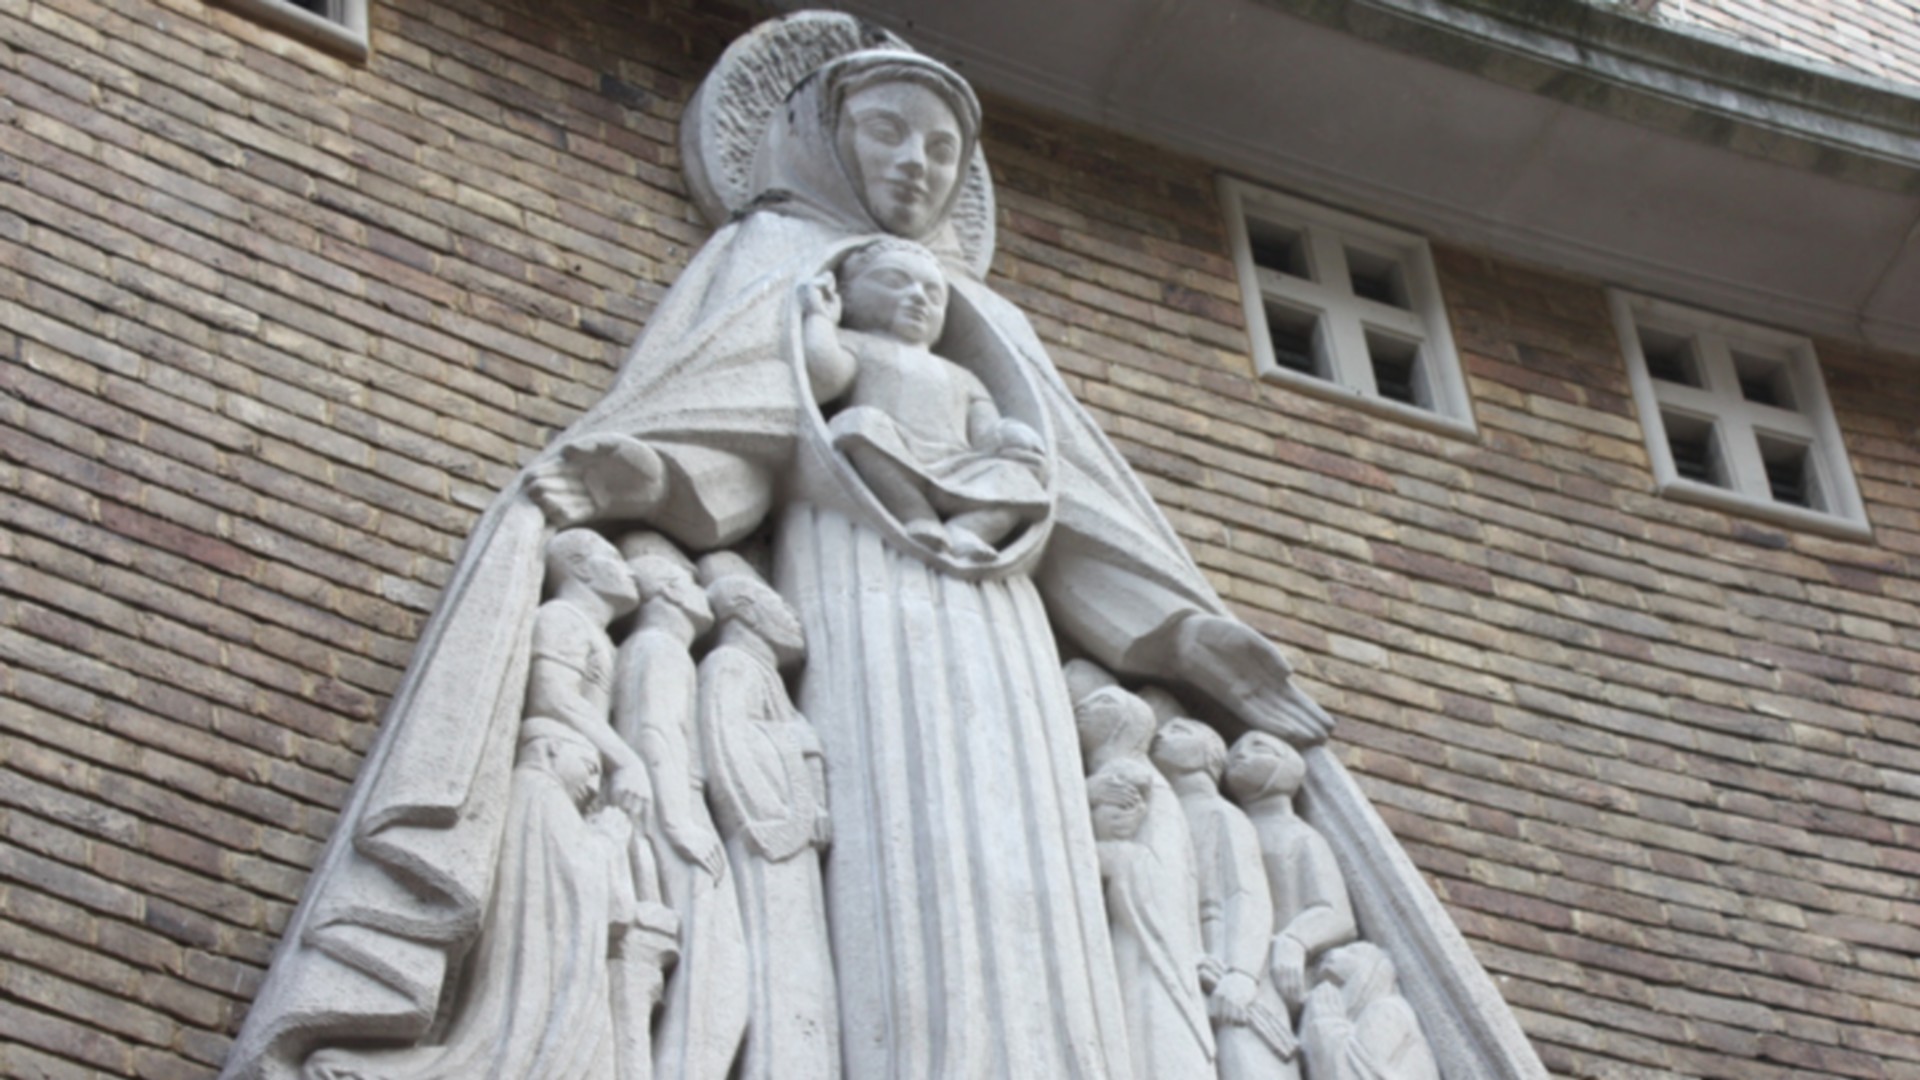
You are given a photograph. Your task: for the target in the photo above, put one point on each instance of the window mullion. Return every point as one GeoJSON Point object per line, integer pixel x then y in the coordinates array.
{"type": "Point", "coordinates": [1746, 472]}
{"type": "Point", "coordinates": [1690, 398]}
{"type": "Point", "coordinates": [1346, 341]}
{"type": "Point", "coordinates": [1717, 372]}
{"type": "Point", "coordinates": [1781, 421]}
{"type": "Point", "coordinates": [1328, 260]}
{"type": "Point", "coordinates": [1387, 317]}
{"type": "Point", "coordinates": [1297, 291]}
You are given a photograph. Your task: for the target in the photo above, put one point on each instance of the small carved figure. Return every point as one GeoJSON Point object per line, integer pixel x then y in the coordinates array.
{"type": "Point", "coordinates": [1311, 912]}
{"type": "Point", "coordinates": [1356, 1026]}
{"type": "Point", "coordinates": [571, 677]}
{"type": "Point", "coordinates": [1146, 859]}
{"type": "Point", "coordinates": [922, 431]}
{"type": "Point", "coordinates": [705, 1014]}
{"type": "Point", "coordinates": [769, 792]}
{"type": "Point", "coordinates": [566, 971]}
{"type": "Point", "coordinates": [1236, 912]}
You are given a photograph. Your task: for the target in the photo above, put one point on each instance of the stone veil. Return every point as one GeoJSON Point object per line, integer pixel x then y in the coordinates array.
{"type": "Point", "coordinates": [964, 900]}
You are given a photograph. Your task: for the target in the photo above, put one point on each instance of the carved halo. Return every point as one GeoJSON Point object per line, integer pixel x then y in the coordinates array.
{"type": "Point", "coordinates": [724, 122]}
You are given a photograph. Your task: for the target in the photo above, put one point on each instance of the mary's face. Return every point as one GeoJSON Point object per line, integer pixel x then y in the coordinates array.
{"type": "Point", "coordinates": [903, 145]}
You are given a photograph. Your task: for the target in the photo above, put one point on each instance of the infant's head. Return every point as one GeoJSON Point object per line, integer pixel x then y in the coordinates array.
{"type": "Point", "coordinates": [894, 287]}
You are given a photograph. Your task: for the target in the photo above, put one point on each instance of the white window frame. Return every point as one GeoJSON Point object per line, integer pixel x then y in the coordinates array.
{"type": "Point", "coordinates": [1739, 425]}
{"type": "Point", "coordinates": [1343, 319]}
{"type": "Point", "coordinates": [342, 31]}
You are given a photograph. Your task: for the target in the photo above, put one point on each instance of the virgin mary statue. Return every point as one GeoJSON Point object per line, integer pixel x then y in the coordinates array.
{"type": "Point", "coordinates": [964, 899]}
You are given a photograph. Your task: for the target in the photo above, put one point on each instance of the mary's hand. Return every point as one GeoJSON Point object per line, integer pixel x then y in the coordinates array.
{"type": "Point", "coordinates": [1231, 663]}
{"type": "Point", "coordinates": [601, 477]}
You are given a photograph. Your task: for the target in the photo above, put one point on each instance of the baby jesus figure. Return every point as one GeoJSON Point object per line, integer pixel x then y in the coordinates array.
{"type": "Point", "coordinates": [921, 431]}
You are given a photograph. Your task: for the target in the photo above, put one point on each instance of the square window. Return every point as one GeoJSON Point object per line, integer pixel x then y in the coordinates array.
{"type": "Point", "coordinates": [1736, 416]}
{"type": "Point", "coordinates": [339, 26]}
{"type": "Point", "coordinates": [1342, 306]}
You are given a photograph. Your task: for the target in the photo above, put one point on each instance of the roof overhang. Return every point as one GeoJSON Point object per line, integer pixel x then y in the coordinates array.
{"type": "Point", "coordinates": [1560, 132]}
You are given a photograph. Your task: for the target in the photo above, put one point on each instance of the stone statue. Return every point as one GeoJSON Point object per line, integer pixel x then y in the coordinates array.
{"type": "Point", "coordinates": [966, 912]}
{"type": "Point", "coordinates": [769, 791]}
{"type": "Point", "coordinates": [922, 431]}
{"type": "Point", "coordinates": [655, 710]}
{"type": "Point", "coordinates": [1356, 1026]}
{"type": "Point", "coordinates": [566, 970]}
{"type": "Point", "coordinates": [1153, 905]}
{"type": "Point", "coordinates": [1236, 910]}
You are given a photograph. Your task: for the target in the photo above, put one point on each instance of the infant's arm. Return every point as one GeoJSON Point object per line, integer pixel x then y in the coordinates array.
{"type": "Point", "coordinates": [831, 366]}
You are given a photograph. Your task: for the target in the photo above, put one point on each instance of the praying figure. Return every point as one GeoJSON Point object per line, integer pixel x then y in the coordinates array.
{"type": "Point", "coordinates": [1356, 1026]}
{"type": "Point", "coordinates": [1146, 860]}
{"type": "Point", "coordinates": [1311, 912]}
{"type": "Point", "coordinates": [705, 1014]}
{"type": "Point", "coordinates": [1236, 911]}
{"type": "Point", "coordinates": [921, 431]}
{"type": "Point", "coordinates": [769, 791]}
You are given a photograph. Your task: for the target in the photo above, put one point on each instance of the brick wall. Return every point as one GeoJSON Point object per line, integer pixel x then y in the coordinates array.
{"type": "Point", "coordinates": [275, 327]}
{"type": "Point", "coordinates": [1874, 37]}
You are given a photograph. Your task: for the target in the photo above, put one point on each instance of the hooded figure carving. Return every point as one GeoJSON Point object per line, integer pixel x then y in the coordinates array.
{"type": "Point", "coordinates": [964, 895]}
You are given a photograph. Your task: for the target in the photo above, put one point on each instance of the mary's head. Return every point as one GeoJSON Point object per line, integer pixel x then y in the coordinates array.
{"type": "Point", "coordinates": [879, 139]}
{"type": "Point", "coordinates": [904, 130]}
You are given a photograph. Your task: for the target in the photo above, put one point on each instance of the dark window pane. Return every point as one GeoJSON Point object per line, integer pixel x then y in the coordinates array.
{"type": "Point", "coordinates": [1696, 454]}
{"type": "Point", "coordinates": [1377, 277]}
{"type": "Point", "coordinates": [1296, 340]}
{"type": "Point", "coordinates": [1789, 472]}
{"type": "Point", "coordinates": [1277, 247]}
{"type": "Point", "coordinates": [1669, 357]}
{"type": "Point", "coordinates": [1763, 381]}
{"type": "Point", "coordinates": [1396, 369]}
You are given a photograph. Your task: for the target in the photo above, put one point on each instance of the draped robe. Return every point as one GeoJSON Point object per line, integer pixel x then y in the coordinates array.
{"type": "Point", "coordinates": [763, 787]}
{"type": "Point", "coordinates": [537, 1000]}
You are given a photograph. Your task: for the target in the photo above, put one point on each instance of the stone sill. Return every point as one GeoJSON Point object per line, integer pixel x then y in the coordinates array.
{"type": "Point", "coordinates": [1784, 514]}
{"type": "Point", "coordinates": [347, 40]}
